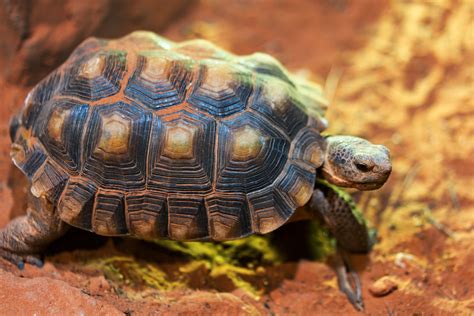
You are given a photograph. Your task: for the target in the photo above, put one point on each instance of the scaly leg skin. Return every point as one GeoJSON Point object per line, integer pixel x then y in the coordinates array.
{"type": "Point", "coordinates": [24, 238]}
{"type": "Point", "coordinates": [348, 227]}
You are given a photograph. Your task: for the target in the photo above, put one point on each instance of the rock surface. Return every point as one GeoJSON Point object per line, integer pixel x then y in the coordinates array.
{"type": "Point", "coordinates": [40, 34]}
{"type": "Point", "coordinates": [45, 296]}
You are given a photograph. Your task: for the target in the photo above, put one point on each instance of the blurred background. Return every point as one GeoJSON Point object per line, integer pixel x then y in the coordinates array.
{"type": "Point", "coordinates": [396, 72]}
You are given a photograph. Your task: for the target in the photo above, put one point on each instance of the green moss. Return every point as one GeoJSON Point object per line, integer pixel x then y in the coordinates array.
{"type": "Point", "coordinates": [321, 243]}
{"type": "Point", "coordinates": [122, 270]}
{"type": "Point", "coordinates": [246, 251]}
{"type": "Point", "coordinates": [232, 259]}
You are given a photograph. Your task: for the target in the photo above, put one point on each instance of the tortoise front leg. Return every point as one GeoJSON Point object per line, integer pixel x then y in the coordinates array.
{"type": "Point", "coordinates": [351, 234]}
{"type": "Point", "coordinates": [25, 237]}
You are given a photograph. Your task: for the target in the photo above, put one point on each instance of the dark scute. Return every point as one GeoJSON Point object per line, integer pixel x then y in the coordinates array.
{"type": "Point", "coordinates": [67, 152]}
{"type": "Point", "coordinates": [304, 141]}
{"type": "Point", "coordinates": [148, 215]}
{"type": "Point", "coordinates": [34, 159]}
{"type": "Point", "coordinates": [293, 172]}
{"type": "Point", "coordinates": [50, 181]}
{"type": "Point", "coordinates": [122, 172]}
{"type": "Point", "coordinates": [102, 86]}
{"type": "Point", "coordinates": [183, 175]}
{"type": "Point", "coordinates": [109, 214]}
{"type": "Point", "coordinates": [270, 209]}
{"type": "Point", "coordinates": [163, 93]}
{"type": "Point", "coordinates": [229, 216]}
{"type": "Point", "coordinates": [187, 218]}
{"type": "Point", "coordinates": [77, 204]}
{"type": "Point", "coordinates": [291, 120]}
{"type": "Point", "coordinates": [222, 103]}
{"type": "Point", "coordinates": [257, 173]}
{"type": "Point", "coordinates": [39, 97]}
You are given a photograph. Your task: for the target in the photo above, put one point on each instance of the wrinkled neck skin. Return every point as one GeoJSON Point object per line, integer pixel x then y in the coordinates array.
{"type": "Point", "coordinates": [354, 162]}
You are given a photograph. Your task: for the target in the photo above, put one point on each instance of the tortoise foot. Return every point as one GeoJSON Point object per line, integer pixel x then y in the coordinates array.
{"type": "Point", "coordinates": [20, 259]}
{"type": "Point", "coordinates": [348, 280]}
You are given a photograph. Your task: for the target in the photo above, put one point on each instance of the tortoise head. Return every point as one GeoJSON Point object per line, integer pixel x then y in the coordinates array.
{"type": "Point", "coordinates": [355, 162]}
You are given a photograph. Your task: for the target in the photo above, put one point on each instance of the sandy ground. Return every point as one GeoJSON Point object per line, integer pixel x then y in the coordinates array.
{"type": "Point", "coordinates": [397, 73]}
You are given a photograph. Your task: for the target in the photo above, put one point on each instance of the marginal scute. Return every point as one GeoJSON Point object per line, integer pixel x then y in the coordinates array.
{"type": "Point", "coordinates": [301, 191]}
{"type": "Point", "coordinates": [147, 215]}
{"type": "Point", "coordinates": [309, 148]}
{"type": "Point", "coordinates": [296, 184]}
{"type": "Point", "coordinates": [28, 157]}
{"type": "Point", "coordinates": [48, 181]}
{"type": "Point", "coordinates": [269, 209]}
{"type": "Point", "coordinates": [109, 214]}
{"type": "Point", "coordinates": [229, 216]}
{"type": "Point", "coordinates": [187, 218]}
{"type": "Point", "coordinates": [77, 203]}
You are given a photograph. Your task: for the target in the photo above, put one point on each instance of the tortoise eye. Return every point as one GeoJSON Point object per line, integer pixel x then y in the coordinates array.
{"type": "Point", "coordinates": [363, 167]}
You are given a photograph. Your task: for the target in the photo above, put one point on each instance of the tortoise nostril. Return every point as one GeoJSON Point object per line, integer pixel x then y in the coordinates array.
{"type": "Point", "coordinates": [364, 167]}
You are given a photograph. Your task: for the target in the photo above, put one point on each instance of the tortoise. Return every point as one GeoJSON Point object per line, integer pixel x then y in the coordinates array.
{"type": "Point", "coordinates": [149, 138]}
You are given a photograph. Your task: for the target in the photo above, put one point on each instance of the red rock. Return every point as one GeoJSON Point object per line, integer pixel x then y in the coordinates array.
{"type": "Point", "coordinates": [383, 286]}
{"type": "Point", "coordinates": [45, 296]}
{"type": "Point", "coordinates": [41, 34]}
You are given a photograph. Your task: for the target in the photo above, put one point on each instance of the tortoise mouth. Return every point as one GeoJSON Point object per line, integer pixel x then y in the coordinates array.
{"type": "Point", "coordinates": [367, 184]}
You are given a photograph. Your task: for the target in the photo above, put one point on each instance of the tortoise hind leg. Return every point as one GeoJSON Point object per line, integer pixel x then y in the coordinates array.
{"type": "Point", "coordinates": [349, 228]}
{"type": "Point", "coordinates": [24, 238]}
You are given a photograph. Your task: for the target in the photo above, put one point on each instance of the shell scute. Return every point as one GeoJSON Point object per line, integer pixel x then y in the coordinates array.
{"type": "Point", "coordinates": [182, 153]}
{"type": "Point", "coordinates": [115, 148]}
{"type": "Point", "coordinates": [147, 214]}
{"type": "Point", "coordinates": [187, 218]}
{"type": "Point", "coordinates": [95, 76]}
{"type": "Point", "coordinates": [66, 122]}
{"type": "Point", "coordinates": [77, 203]}
{"type": "Point", "coordinates": [109, 214]}
{"type": "Point", "coordinates": [160, 80]}
{"type": "Point", "coordinates": [259, 161]}
{"type": "Point", "coordinates": [229, 216]}
{"type": "Point", "coordinates": [222, 88]}
{"type": "Point", "coordinates": [276, 101]}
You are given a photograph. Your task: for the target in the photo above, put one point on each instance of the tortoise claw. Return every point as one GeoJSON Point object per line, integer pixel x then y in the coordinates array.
{"type": "Point", "coordinates": [20, 260]}
{"type": "Point", "coordinates": [348, 280]}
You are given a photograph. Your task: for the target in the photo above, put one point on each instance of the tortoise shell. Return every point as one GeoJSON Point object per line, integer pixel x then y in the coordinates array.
{"type": "Point", "coordinates": [145, 137]}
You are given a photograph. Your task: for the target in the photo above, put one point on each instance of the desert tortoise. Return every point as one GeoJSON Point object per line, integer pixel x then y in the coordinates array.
{"type": "Point", "coordinates": [145, 137]}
